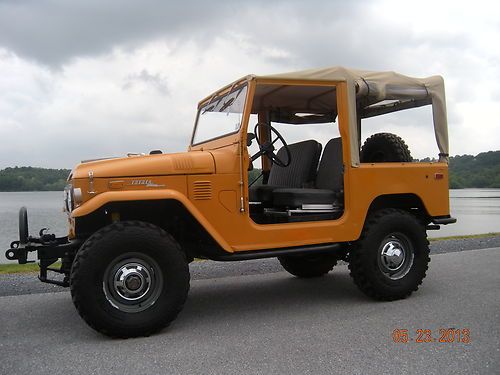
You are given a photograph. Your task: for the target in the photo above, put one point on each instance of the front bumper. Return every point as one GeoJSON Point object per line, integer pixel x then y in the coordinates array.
{"type": "Point", "coordinates": [49, 249]}
{"type": "Point", "coordinates": [55, 249]}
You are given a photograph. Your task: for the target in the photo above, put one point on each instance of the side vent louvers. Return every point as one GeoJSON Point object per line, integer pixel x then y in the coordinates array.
{"type": "Point", "coordinates": [202, 190]}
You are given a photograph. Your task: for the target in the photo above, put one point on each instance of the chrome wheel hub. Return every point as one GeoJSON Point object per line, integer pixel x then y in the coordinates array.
{"type": "Point", "coordinates": [396, 256]}
{"type": "Point", "coordinates": [392, 255]}
{"type": "Point", "coordinates": [132, 282]}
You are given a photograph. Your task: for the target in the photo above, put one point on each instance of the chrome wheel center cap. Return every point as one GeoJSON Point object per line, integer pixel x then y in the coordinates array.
{"type": "Point", "coordinates": [392, 255]}
{"type": "Point", "coordinates": [132, 281]}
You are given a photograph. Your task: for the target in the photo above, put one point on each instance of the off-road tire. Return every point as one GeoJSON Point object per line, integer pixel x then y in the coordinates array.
{"type": "Point", "coordinates": [385, 147]}
{"type": "Point", "coordinates": [307, 266]}
{"type": "Point", "coordinates": [129, 241]}
{"type": "Point", "coordinates": [382, 228]}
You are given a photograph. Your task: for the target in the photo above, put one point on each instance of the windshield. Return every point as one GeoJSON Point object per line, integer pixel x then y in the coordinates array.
{"type": "Point", "coordinates": [220, 116]}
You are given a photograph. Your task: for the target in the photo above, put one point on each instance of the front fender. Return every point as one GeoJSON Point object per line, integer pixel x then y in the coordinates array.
{"type": "Point", "coordinates": [161, 194]}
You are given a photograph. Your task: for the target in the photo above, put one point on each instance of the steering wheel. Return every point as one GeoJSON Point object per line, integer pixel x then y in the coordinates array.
{"type": "Point", "coordinates": [267, 148]}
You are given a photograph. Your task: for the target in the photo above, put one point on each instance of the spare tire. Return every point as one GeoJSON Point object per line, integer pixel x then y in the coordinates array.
{"type": "Point", "coordinates": [385, 147]}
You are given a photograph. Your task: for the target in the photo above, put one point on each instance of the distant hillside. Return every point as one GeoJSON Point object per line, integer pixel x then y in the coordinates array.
{"type": "Point", "coordinates": [480, 171]}
{"type": "Point", "coordinates": [466, 171]}
{"type": "Point", "coordinates": [32, 179]}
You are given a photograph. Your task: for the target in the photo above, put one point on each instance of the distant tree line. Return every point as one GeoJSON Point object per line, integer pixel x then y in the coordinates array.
{"type": "Point", "coordinates": [32, 179]}
{"type": "Point", "coordinates": [466, 171]}
{"type": "Point", "coordinates": [480, 171]}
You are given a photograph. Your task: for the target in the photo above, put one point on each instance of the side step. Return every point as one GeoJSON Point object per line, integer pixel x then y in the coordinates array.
{"type": "Point", "coordinates": [272, 253]}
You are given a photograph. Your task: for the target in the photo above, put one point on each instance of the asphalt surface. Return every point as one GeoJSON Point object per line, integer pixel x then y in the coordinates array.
{"type": "Point", "coordinates": [273, 323]}
{"type": "Point", "coordinates": [17, 284]}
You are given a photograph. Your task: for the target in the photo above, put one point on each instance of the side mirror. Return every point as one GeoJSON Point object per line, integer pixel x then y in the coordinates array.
{"type": "Point", "coordinates": [250, 138]}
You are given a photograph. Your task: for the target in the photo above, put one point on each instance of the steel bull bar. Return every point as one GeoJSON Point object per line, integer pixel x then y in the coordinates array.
{"type": "Point", "coordinates": [49, 250]}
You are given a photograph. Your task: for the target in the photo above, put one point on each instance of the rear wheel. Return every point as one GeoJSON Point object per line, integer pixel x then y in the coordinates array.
{"type": "Point", "coordinates": [390, 259]}
{"type": "Point", "coordinates": [129, 279]}
{"type": "Point", "coordinates": [308, 265]}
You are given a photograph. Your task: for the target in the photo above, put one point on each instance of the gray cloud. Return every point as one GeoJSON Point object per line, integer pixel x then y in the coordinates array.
{"type": "Point", "coordinates": [313, 33]}
{"type": "Point", "coordinates": [94, 78]}
{"type": "Point", "coordinates": [52, 31]}
{"type": "Point", "coordinates": [155, 81]}
{"type": "Point", "coordinates": [55, 31]}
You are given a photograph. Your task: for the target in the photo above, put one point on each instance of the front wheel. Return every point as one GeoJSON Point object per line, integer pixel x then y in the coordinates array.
{"type": "Point", "coordinates": [129, 279]}
{"type": "Point", "coordinates": [390, 259]}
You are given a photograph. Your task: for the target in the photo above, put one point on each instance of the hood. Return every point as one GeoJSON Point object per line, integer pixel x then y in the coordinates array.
{"type": "Point", "coordinates": [194, 162]}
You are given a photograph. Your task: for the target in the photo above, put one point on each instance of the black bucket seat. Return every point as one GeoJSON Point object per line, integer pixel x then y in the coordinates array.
{"type": "Point", "coordinates": [300, 173]}
{"type": "Point", "coordinates": [329, 182]}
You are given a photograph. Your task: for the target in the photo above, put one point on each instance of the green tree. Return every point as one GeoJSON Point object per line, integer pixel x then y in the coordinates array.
{"type": "Point", "coordinates": [480, 171]}
{"type": "Point", "coordinates": [32, 179]}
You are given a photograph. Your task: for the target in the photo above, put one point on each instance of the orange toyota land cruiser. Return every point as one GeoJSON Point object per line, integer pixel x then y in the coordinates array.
{"type": "Point", "coordinates": [244, 191]}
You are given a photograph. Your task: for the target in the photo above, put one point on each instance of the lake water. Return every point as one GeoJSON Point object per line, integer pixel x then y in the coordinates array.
{"type": "Point", "coordinates": [477, 211]}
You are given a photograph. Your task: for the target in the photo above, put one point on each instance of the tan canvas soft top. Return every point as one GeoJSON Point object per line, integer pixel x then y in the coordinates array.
{"type": "Point", "coordinates": [379, 86]}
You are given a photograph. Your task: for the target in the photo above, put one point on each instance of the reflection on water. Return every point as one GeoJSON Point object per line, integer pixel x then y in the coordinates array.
{"type": "Point", "coordinates": [477, 211]}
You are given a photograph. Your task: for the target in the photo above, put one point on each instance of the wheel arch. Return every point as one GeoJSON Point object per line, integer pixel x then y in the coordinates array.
{"type": "Point", "coordinates": [406, 201]}
{"type": "Point", "coordinates": [186, 224]}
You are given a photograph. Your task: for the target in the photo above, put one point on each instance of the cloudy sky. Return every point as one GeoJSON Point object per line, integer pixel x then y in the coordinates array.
{"type": "Point", "coordinates": [86, 79]}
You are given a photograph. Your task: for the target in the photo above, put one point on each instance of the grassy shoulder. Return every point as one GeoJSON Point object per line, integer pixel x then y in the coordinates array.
{"type": "Point", "coordinates": [22, 268]}
{"type": "Point", "coordinates": [33, 267]}
{"type": "Point", "coordinates": [18, 268]}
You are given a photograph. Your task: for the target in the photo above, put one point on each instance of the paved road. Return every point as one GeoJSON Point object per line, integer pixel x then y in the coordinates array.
{"type": "Point", "coordinates": [16, 284]}
{"type": "Point", "coordinates": [275, 324]}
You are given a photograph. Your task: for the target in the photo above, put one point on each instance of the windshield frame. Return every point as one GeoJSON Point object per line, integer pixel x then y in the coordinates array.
{"type": "Point", "coordinates": [214, 98]}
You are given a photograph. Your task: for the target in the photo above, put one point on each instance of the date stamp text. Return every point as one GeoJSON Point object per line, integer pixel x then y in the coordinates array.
{"type": "Point", "coordinates": [423, 336]}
